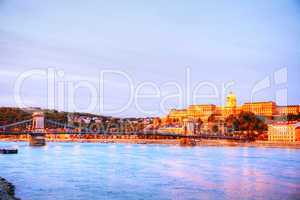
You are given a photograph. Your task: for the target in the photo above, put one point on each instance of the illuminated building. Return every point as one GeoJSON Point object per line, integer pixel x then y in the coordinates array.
{"type": "Point", "coordinates": [156, 122]}
{"type": "Point", "coordinates": [230, 107]}
{"type": "Point", "coordinates": [177, 114]}
{"type": "Point", "coordinates": [201, 111]}
{"type": "Point", "coordinates": [266, 109]}
{"type": "Point", "coordinates": [173, 130]}
{"type": "Point", "coordinates": [231, 101]}
{"type": "Point", "coordinates": [204, 111]}
{"type": "Point", "coordinates": [188, 128]}
{"type": "Point", "coordinates": [291, 109]}
{"type": "Point", "coordinates": [284, 131]}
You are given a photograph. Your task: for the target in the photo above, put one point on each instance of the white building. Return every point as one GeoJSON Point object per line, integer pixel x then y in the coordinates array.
{"type": "Point", "coordinates": [284, 131]}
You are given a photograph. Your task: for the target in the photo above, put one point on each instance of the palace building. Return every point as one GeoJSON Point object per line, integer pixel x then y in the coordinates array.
{"type": "Point", "coordinates": [291, 109]}
{"type": "Point", "coordinates": [266, 109]}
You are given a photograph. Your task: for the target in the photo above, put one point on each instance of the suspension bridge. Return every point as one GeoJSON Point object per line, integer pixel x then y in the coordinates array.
{"type": "Point", "coordinates": [38, 127]}
{"type": "Point", "coordinates": [38, 124]}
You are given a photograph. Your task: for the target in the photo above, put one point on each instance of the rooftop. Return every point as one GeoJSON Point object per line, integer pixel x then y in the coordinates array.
{"type": "Point", "coordinates": [259, 102]}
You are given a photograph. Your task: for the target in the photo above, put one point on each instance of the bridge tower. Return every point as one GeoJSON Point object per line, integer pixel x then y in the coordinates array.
{"type": "Point", "coordinates": [38, 122]}
{"type": "Point", "coordinates": [189, 126]}
{"type": "Point", "coordinates": [37, 137]}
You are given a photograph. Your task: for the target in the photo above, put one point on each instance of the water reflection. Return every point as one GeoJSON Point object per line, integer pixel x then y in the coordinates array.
{"type": "Point", "coordinates": [137, 171]}
{"type": "Point", "coordinates": [76, 149]}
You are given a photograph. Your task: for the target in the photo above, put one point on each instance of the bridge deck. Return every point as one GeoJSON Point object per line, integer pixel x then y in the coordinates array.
{"type": "Point", "coordinates": [200, 136]}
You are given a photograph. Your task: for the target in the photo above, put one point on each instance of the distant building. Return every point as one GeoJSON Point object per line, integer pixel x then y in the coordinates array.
{"type": "Point", "coordinates": [173, 130]}
{"type": "Point", "coordinates": [291, 109]}
{"type": "Point", "coordinates": [231, 101]}
{"type": "Point", "coordinates": [266, 109]}
{"type": "Point", "coordinates": [200, 111]}
{"type": "Point", "coordinates": [178, 114]}
{"type": "Point", "coordinates": [284, 131]}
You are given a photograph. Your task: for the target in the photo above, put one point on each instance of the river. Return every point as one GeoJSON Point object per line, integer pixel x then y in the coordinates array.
{"type": "Point", "coordinates": [65, 171]}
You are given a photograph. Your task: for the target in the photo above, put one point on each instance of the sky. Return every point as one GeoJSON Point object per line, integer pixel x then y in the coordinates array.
{"type": "Point", "coordinates": [152, 55]}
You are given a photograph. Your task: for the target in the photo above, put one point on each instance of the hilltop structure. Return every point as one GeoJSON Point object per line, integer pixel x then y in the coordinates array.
{"type": "Point", "coordinates": [205, 112]}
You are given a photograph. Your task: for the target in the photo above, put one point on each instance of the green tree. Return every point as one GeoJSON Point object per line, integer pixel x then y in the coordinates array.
{"type": "Point", "coordinates": [250, 123]}
{"type": "Point", "coordinates": [215, 128]}
{"type": "Point", "coordinates": [232, 123]}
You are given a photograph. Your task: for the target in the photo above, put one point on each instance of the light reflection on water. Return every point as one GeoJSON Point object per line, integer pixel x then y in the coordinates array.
{"type": "Point", "coordinates": [129, 171]}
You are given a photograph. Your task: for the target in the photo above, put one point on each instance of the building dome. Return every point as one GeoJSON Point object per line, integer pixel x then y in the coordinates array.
{"type": "Point", "coordinates": [231, 100]}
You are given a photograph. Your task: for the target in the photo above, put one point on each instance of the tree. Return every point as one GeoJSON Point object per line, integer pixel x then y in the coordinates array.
{"type": "Point", "coordinates": [232, 123]}
{"type": "Point", "coordinates": [215, 128]}
{"type": "Point", "coordinates": [249, 123]}
{"type": "Point", "coordinates": [212, 118]}
{"type": "Point", "coordinates": [292, 117]}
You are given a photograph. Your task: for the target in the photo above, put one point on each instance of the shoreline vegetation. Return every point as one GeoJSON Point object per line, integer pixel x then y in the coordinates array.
{"type": "Point", "coordinates": [7, 190]}
{"type": "Point", "coordinates": [202, 142]}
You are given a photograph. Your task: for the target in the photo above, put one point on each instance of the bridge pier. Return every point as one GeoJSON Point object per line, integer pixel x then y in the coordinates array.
{"type": "Point", "coordinates": [37, 139]}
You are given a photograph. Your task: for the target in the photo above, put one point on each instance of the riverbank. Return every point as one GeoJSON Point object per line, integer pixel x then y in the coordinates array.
{"type": "Point", "coordinates": [202, 142]}
{"type": "Point", "coordinates": [7, 190]}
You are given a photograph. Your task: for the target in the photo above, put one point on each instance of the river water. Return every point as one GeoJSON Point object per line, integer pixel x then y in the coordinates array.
{"type": "Point", "coordinates": [64, 171]}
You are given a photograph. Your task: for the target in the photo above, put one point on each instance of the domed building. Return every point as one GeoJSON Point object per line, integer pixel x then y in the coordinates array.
{"type": "Point", "coordinates": [230, 107]}
{"type": "Point", "coordinates": [231, 100]}
{"type": "Point", "coordinates": [204, 112]}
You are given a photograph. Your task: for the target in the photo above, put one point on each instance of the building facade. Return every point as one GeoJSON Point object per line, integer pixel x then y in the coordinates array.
{"type": "Point", "coordinates": [200, 111]}
{"type": "Point", "coordinates": [267, 109]}
{"type": "Point", "coordinates": [291, 109]}
{"type": "Point", "coordinates": [284, 132]}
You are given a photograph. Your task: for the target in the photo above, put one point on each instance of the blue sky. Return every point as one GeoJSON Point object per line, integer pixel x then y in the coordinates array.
{"type": "Point", "coordinates": [219, 41]}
